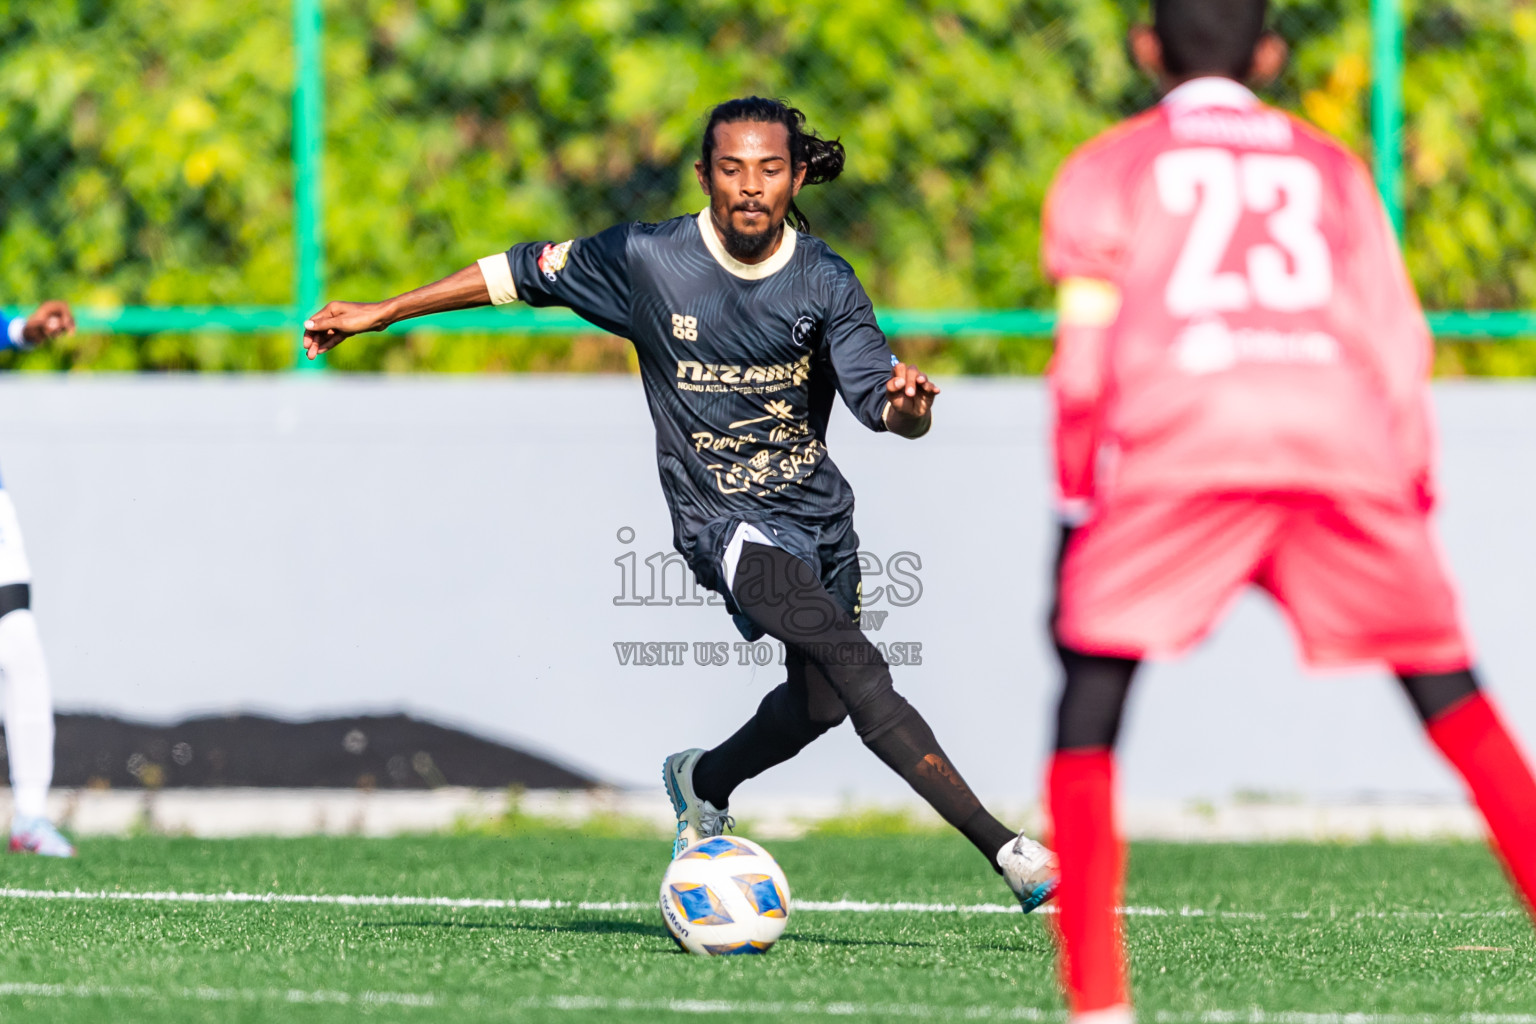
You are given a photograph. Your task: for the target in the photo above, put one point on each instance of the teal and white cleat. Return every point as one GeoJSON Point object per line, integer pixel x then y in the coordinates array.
{"type": "Point", "coordinates": [1030, 870]}
{"type": "Point", "coordinates": [696, 819]}
{"type": "Point", "coordinates": [37, 835]}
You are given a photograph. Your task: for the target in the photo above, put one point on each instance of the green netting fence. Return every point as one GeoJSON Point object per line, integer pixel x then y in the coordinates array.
{"type": "Point", "coordinates": [195, 175]}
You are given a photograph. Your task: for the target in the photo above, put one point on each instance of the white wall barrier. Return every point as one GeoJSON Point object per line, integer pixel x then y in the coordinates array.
{"type": "Point", "coordinates": [493, 553]}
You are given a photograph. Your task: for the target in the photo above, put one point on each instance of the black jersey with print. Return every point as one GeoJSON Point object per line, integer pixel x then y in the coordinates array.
{"type": "Point", "coordinates": [739, 361]}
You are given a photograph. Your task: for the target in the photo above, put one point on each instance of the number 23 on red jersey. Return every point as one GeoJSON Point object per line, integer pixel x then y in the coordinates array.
{"type": "Point", "coordinates": [1291, 271]}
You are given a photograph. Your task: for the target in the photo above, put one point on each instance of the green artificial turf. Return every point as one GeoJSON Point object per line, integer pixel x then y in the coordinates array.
{"type": "Point", "coordinates": [1220, 933]}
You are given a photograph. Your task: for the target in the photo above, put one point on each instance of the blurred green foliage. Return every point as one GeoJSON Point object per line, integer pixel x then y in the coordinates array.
{"type": "Point", "coordinates": [144, 160]}
{"type": "Point", "coordinates": [144, 149]}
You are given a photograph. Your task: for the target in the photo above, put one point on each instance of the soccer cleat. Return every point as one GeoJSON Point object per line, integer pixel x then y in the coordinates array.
{"type": "Point", "coordinates": [696, 819]}
{"type": "Point", "coordinates": [37, 835]}
{"type": "Point", "coordinates": [1030, 870]}
{"type": "Point", "coordinates": [1110, 1015]}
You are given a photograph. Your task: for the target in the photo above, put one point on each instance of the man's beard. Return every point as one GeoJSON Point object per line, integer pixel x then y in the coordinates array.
{"type": "Point", "coordinates": [744, 247]}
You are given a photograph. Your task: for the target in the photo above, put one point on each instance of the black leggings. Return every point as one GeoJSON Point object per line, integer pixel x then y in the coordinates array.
{"type": "Point", "coordinates": [834, 672]}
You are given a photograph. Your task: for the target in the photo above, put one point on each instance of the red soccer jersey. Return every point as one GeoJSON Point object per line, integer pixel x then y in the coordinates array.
{"type": "Point", "coordinates": [1267, 336]}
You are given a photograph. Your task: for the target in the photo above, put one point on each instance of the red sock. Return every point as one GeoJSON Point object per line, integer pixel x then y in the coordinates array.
{"type": "Point", "coordinates": [1081, 787]}
{"type": "Point", "coordinates": [1474, 740]}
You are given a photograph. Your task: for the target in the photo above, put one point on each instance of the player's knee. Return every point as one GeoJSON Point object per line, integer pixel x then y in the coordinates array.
{"type": "Point", "coordinates": [15, 597]}
{"type": "Point", "coordinates": [791, 714]}
{"type": "Point", "coordinates": [854, 668]}
{"type": "Point", "coordinates": [817, 726]}
{"type": "Point", "coordinates": [18, 634]}
{"type": "Point", "coordinates": [873, 703]}
{"type": "Point", "coordinates": [21, 656]}
{"type": "Point", "coordinates": [823, 707]}
{"type": "Point", "coordinates": [1092, 700]}
{"type": "Point", "coordinates": [828, 724]}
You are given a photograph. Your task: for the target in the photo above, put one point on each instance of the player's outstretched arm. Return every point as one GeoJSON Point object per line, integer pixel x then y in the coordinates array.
{"type": "Point", "coordinates": [47, 322]}
{"type": "Point", "coordinates": [909, 394]}
{"type": "Point", "coordinates": [338, 321]}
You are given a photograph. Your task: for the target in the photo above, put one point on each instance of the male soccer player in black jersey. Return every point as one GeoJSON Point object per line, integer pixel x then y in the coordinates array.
{"type": "Point", "coordinates": [745, 326]}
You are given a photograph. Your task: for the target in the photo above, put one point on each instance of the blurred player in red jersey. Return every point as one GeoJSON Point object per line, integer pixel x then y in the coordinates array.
{"type": "Point", "coordinates": [1241, 397]}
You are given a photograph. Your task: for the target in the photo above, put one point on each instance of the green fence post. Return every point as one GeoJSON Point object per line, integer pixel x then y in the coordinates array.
{"type": "Point", "coordinates": [1387, 104]}
{"type": "Point", "coordinates": [308, 144]}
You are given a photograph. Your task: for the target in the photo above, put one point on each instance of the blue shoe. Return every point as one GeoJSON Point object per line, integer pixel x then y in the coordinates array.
{"type": "Point", "coordinates": [1030, 870]}
{"type": "Point", "coordinates": [696, 819]}
{"type": "Point", "coordinates": [37, 835]}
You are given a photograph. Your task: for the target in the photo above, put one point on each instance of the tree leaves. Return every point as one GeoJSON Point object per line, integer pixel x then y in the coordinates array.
{"type": "Point", "coordinates": [144, 147]}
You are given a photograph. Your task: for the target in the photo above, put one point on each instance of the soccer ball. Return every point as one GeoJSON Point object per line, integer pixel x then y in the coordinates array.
{"type": "Point", "coordinates": [724, 897]}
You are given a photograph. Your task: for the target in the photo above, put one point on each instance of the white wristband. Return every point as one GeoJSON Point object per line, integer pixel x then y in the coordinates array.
{"type": "Point", "coordinates": [497, 271]}
{"type": "Point", "coordinates": [14, 330]}
{"type": "Point", "coordinates": [1087, 302]}
{"type": "Point", "coordinates": [1074, 511]}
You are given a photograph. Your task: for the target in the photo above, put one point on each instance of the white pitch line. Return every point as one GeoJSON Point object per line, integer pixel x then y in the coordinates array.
{"type": "Point", "coordinates": [1310, 1017]}
{"type": "Point", "coordinates": [589, 1004]}
{"type": "Point", "coordinates": [864, 907]}
{"type": "Point", "coordinates": [796, 1011]}
{"type": "Point", "coordinates": [284, 897]}
{"type": "Point", "coordinates": [808, 906]}
{"type": "Point", "coordinates": [216, 995]}
{"type": "Point", "coordinates": [340, 900]}
{"type": "Point", "coordinates": [719, 1007]}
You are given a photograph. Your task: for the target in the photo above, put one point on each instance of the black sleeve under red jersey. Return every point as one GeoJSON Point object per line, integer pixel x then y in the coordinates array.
{"type": "Point", "coordinates": [589, 276]}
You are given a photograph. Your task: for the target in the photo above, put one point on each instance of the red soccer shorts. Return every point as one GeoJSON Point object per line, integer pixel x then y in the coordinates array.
{"type": "Point", "coordinates": [1359, 580]}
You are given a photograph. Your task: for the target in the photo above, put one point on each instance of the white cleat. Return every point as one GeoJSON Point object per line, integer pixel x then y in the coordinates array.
{"type": "Point", "coordinates": [1109, 1015]}
{"type": "Point", "coordinates": [1030, 870]}
{"type": "Point", "coordinates": [37, 835]}
{"type": "Point", "coordinates": [696, 819]}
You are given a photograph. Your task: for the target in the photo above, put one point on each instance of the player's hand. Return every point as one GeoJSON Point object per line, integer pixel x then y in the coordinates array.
{"type": "Point", "coordinates": [910, 392]}
{"type": "Point", "coordinates": [48, 321]}
{"type": "Point", "coordinates": [338, 321]}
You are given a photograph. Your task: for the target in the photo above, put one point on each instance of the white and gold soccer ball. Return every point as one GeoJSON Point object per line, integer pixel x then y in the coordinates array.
{"type": "Point", "coordinates": [725, 896]}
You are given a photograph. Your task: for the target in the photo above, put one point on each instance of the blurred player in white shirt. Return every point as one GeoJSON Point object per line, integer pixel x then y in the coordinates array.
{"type": "Point", "coordinates": [28, 696]}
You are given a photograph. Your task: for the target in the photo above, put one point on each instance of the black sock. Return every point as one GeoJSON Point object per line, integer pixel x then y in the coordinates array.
{"type": "Point", "coordinates": [782, 727]}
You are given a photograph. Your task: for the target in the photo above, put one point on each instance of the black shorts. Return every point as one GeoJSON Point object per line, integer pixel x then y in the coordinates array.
{"type": "Point", "coordinates": [831, 549]}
